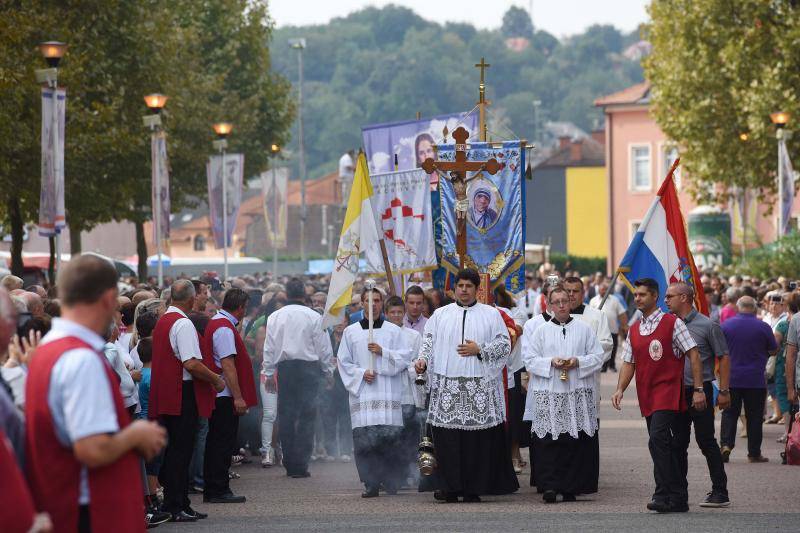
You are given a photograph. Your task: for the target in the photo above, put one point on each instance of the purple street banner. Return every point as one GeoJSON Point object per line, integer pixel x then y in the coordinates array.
{"type": "Point", "coordinates": [275, 186]}
{"type": "Point", "coordinates": [160, 186]}
{"type": "Point", "coordinates": [51, 198]}
{"type": "Point", "coordinates": [234, 173]}
{"type": "Point", "coordinates": [411, 141]}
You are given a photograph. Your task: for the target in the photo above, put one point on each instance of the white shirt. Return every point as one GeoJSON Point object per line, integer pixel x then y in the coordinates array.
{"type": "Point", "coordinates": [346, 167]}
{"type": "Point", "coordinates": [127, 387]}
{"type": "Point", "coordinates": [612, 309]}
{"type": "Point", "coordinates": [527, 302]}
{"type": "Point", "coordinates": [80, 395]}
{"type": "Point", "coordinates": [224, 345]}
{"type": "Point", "coordinates": [558, 406]}
{"type": "Point", "coordinates": [294, 333]}
{"type": "Point", "coordinates": [379, 402]}
{"type": "Point", "coordinates": [184, 340]}
{"type": "Point", "coordinates": [413, 394]}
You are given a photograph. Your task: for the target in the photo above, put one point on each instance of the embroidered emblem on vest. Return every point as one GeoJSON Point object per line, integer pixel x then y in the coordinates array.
{"type": "Point", "coordinates": [656, 350]}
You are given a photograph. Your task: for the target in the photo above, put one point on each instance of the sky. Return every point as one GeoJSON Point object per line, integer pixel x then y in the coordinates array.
{"type": "Point", "coordinates": [558, 17]}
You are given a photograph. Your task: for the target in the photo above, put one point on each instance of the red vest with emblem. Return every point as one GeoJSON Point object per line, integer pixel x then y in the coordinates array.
{"type": "Point", "coordinates": [166, 376]}
{"type": "Point", "coordinates": [244, 368]}
{"type": "Point", "coordinates": [54, 474]}
{"type": "Point", "coordinates": [17, 512]}
{"type": "Point", "coordinates": [659, 373]}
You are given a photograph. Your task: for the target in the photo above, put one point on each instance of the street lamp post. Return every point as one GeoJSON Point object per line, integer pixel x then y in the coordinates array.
{"type": "Point", "coordinates": [780, 119]}
{"type": "Point", "coordinates": [223, 129]}
{"type": "Point", "coordinates": [275, 150]}
{"type": "Point", "coordinates": [53, 51]}
{"type": "Point", "coordinates": [299, 44]}
{"type": "Point", "coordinates": [155, 102]}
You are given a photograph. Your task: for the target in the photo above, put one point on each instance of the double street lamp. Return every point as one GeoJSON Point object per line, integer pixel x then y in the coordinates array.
{"type": "Point", "coordinates": [155, 103]}
{"type": "Point", "coordinates": [223, 129]}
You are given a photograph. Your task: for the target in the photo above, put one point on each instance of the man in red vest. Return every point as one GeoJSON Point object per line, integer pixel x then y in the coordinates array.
{"type": "Point", "coordinates": [83, 452]}
{"type": "Point", "coordinates": [231, 359]}
{"type": "Point", "coordinates": [180, 390]}
{"type": "Point", "coordinates": [654, 351]}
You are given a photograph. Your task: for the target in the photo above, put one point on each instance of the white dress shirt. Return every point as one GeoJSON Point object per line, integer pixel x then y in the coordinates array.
{"type": "Point", "coordinates": [294, 333]}
{"type": "Point", "coordinates": [184, 340]}
{"type": "Point", "coordinates": [224, 345]}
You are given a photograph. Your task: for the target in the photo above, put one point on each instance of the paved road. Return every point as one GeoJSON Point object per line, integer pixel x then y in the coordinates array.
{"type": "Point", "coordinates": [764, 496]}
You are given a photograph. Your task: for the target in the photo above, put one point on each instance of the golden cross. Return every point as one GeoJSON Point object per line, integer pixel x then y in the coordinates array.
{"type": "Point", "coordinates": [482, 65]}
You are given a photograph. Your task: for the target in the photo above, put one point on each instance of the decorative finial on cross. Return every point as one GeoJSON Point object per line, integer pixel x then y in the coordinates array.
{"type": "Point", "coordinates": [445, 131]}
{"type": "Point", "coordinates": [483, 65]}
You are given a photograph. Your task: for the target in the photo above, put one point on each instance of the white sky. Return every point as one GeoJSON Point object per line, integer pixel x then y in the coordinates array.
{"type": "Point", "coordinates": [559, 17]}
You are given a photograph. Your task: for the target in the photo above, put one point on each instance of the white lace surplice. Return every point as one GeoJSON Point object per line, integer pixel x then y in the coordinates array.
{"type": "Point", "coordinates": [379, 402]}
{"type": "Point", "coordinates": [466, 392]}
{"type": "Point", "coordinates": [552, 405]}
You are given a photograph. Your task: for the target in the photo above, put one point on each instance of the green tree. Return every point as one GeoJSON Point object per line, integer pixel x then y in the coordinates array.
{"type": "Point", "coordinates": [718, 70]}
{"type": "Point", "coordinates": [517, 23]}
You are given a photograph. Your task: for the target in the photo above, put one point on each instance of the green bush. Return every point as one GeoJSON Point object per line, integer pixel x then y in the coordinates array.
{"type": "Point", "coordinates": [584, 265]}
{"type": "Point", "coordinates": [780, 258]}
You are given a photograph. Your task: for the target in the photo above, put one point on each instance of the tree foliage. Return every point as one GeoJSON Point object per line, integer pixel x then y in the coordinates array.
{"type": "Point", "coordinates": [517, 23]}
{"type": "Point", "coordinates": [387, 64]}
{"type": "Point", "coordinates": [718, 70]}
{"type": "Point", "coordinates": [212, 58]}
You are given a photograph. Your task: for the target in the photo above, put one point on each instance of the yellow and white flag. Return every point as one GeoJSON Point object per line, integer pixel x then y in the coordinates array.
{"type": "Point", "coordinates": [359, 232]}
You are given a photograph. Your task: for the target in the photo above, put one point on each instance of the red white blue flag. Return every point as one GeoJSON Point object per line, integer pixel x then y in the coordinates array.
{"type": "Point", "coordinates": [660, 249]}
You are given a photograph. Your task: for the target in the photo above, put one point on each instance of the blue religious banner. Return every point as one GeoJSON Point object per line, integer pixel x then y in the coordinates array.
{"type": "Point", "coordinates": [495, 214]}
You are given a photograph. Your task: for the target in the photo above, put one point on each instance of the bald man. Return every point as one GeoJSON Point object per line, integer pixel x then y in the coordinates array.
{"type": "Point", "coordinates": [712, 347]}
{"type": "Point", "coordinates": [751, 342]}
{"type": "Point", "coordinates": [11, 283]}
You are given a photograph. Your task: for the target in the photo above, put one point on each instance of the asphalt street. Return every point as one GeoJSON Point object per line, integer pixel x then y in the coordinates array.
{"type": "Point", "coordinates": [764, 496]}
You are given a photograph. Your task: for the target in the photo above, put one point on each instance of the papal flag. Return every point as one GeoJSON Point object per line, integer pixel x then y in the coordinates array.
{"type": "Point", "coordinates": [160, 184]}
{"type": "Point", "coordinates": [359, 232]}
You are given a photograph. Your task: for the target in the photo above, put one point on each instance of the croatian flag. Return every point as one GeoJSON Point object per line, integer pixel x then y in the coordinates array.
{"type": "Point", "coordinates": [660, 249]}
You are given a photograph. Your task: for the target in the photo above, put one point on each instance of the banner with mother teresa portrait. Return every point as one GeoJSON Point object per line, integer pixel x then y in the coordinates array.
{"type": "Point", "coordinates": [495, 216]}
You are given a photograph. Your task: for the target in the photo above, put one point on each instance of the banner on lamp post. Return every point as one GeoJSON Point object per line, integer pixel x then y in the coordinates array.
{"type": "Point", "coordinates": [51, 198]}
{"type": "Point", "coordinates": [234, 173]}
{"type": "Point", "coordinates": [160, 185]}
{"type": "Point", "coordinates": [274, 185]}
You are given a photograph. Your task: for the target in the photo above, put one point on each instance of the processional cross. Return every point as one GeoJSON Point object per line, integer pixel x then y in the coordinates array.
{"type": "Point", "coordinates": [458, 176]}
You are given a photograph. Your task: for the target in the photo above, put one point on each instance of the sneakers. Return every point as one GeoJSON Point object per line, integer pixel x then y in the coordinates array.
{"type": "Point", "coordinates": [713, 499]}
{"type": "Point", "coordinates": [726, 453]}
{"type": "Point", "coordinates": [154, 517]}
{"type": "Point", "coordinates": [759, 459]}
{"type": "Point", "coordinates": [268, 459]}
{"type": "Point", "coordinates": [345, 458]}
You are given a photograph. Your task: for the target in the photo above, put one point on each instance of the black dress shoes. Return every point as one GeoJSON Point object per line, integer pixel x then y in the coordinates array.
{"type": "Point", "coordinates": [299, 475]}
{"type": "Point", "coordinates": [182, 516]}
{"type": "Point", "coordinates": [472, 498]}
{"type": "Point", "coordinates": [224, 498]}
{"type": "Point", "coordinates": [549, 496]}
{"type": "Point", "coordinates": [196, 514]}
{"type": "Point", "coordinates": [370, 492]}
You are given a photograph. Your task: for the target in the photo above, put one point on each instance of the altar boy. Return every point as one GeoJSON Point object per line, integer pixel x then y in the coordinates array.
{"type": "Point", "coordinates": [372, 370]}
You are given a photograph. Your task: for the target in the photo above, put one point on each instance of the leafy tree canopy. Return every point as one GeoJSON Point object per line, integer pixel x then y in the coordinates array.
{"type": "Point", "coordinates": [381, 65]}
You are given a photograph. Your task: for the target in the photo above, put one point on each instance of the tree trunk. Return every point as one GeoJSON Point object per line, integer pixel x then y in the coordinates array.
{"type": "Point", "coordinates": [75, 242]}
{"type": "Point", "coordinates": [17, 228]}
{"type": "Point", "coordinates": [141, 251]}
{"type": "Point", "coordinates": [51, 265]}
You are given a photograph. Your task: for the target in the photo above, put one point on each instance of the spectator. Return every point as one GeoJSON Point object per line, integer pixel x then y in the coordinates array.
{"type": "Point", "coordinates": [750, 342]}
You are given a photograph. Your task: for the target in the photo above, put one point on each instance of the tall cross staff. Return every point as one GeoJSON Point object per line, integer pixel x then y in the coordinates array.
{"type": "Point", "coordinates": [458, 176]}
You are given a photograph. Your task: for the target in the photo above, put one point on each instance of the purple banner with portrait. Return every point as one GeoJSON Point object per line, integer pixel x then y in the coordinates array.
{"type": "Point", "coordinates": [228, 195]}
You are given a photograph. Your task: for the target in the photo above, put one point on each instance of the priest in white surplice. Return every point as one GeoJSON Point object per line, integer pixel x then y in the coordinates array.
{"type": "Point", "coordinates": [562, 356]}
{"type": "Point", "coordinates": [464, 349]}
{"type": "Point", "coordinates": [374, 374]}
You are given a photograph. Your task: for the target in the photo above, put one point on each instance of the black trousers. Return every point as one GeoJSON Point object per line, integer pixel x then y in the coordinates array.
{"type": "Point", "coordinates": [220, 446]}
{"type": "Point", "coordinates": [174, 474]}
{"type": "Point", "coordinates": [704, 436]}
{"type": "Point", "coordinates": [335, 409]}
{"type": "Point", "coordinates": [298, 386]}
{"type": "Point", "coordinates": [612, 362]}
{"type": "Point", "coordinates": [84, 520]}
{"type": "Point", "coordinates": [668, 445]}
{"type": "Point", "coordinates": [753, 400]}
{"type": "Point", "coordinates": [378, 456]}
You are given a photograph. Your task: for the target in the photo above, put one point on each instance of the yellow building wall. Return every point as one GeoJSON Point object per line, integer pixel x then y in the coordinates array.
{"type": "Point", "coordinates": [587, 211]}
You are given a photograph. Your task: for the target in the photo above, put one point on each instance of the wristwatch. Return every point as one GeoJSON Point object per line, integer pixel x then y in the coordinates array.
{"type": "Point", "coordinates": [699, 389]}
{"type": "Point", "coordinates": [724, 391]}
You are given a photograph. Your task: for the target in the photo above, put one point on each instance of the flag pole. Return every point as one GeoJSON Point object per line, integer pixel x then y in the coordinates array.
{"type": "Point", "coordinates": [610, 288]}
{"type": "Point", "coordinates": [388, 268]}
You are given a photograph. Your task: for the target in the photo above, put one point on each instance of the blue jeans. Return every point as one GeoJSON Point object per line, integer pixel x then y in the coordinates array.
{"type": "Point", "coordinates": [196, 466]}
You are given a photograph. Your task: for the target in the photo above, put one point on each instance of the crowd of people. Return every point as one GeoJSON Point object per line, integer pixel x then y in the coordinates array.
{"type": "Point", "coordinates": [119, 399]}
